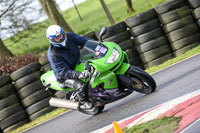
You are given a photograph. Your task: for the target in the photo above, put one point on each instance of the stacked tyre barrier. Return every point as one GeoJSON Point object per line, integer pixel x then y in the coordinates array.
{"type": "Point", "coordinates": [120, 34]}
{"type": "Point", "coordinates": [91, 35]}
{"type": "Point", "coordinates": [150, 41]}
{"type": "Point", "coordinates": [32, 94]}
{"type": "Point", "coordinates": [195, 6]}
{"type": "Point", "coordinates": [12, 113]}
{"type": "Point", "coordinates": [45, 66]}
{"type": "Point", "coordinates": [179, 25]}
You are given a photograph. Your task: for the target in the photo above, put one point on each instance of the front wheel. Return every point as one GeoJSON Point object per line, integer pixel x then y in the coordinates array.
{"type": "Point", "coordinates": [140, 81]}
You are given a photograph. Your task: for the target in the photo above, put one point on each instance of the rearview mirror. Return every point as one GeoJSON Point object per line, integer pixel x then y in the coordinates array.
{"type": "Point", "coordinates": [102, 32]}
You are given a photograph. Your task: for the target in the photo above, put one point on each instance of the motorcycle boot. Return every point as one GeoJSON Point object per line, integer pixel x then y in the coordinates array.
{"type": "Point", "coordinates": [79, 94]}
{"type": "Point", "coordinates": [80, 88]}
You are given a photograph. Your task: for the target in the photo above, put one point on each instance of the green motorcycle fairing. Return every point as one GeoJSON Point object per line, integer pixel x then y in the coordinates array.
{"type": "Point", "coordinates": [101, 58]}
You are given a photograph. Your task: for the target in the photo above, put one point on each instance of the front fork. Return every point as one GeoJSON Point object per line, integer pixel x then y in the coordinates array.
{"type": "Point", "coordinates": [121, 72]}
{"type": "Point", "coordinates": [126, 82]}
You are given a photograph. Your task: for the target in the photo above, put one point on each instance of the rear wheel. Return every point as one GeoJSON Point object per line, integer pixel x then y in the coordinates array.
{"type": "Point", "coordinates": [68, 94]}
{"type": "Point", "coordinates": [141, 81]}
{"type": "Point", "coordinates": [93, 111]}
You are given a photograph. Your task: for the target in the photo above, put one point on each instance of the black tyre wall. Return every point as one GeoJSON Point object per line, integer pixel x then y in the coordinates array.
{"type": "Point", "coordinates": [194, 3]}
{"type": "Point", "coordinates": [156, 33]}
{"type": "Point", "coordinates": [46, 67]}
{"type": "Point", "coordinates": [183, 32]}
{"type": "Point", "coordinates": [145, 47]}
{"type": "Point", "coordinates": [159, 60]}
{"type": "Point", "coordinates": [120, 35]}
{"type": "Point", "coordinates": [16, 125]}
{"type": "Point", "coordinates": [91, 35]}
{"type": "Point", "coordinates": [169, 5]}
{"type": "Point", "coordinates": [145, 27]}
{"type": "Point", "coordinates": [113, 30]}
{"type": "Point", "coordinates": [25, 71]}
{"type": "Point", "coordinates": [126, 44]}
{"type": "Point", "coordinates": [43, 60]}
{"type": "Point", "coordinates": [141, 18]}
{"type": "Point", "coordinates": [9, 103]}
{"type": "Point", "coordinates": [30, 89]}
{"type": "Point", "coordinates": [14, 118]}
{"type": "Point", "coordinates": [5, 79]}
{"type": "Point", "coordinates": [149, 39]}
{"type": "Point", "coordinates": [180, 26]}
{"type": "Point", "coordinates": [7, 90]}
{"type": "Point", "coordinates": [174, 15]}
{"type": "Point", "coordinates": [27, 79]}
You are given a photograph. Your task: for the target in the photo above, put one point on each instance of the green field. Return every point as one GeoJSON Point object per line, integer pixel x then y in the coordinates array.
{"type": "Point", "coordinates": [93, 17]}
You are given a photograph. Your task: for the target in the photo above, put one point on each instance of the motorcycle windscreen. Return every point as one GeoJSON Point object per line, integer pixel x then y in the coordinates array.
{"type": "Point", "coordinates": [92, 50]}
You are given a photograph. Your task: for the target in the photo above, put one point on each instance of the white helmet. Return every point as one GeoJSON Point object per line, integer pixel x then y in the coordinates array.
{"type": "Point", "coordinates": [56, 36]}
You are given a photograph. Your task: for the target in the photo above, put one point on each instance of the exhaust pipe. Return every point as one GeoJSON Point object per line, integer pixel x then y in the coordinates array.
{"type": "Point", "coordinates": [56, 102]}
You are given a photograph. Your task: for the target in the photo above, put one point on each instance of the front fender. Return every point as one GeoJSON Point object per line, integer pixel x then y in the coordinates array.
{"type": "Point", "coordinates": [124, 65]}
{"type": "Point", "coordinates": [123, 68]}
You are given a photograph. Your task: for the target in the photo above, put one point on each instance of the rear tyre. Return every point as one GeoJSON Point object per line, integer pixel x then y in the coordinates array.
{"type": "Point", "coordinates": [93, 111]}
{"type": "Point", "coordinates": [141, 81]}
{"type": "Point", "coordinates": [68, 94]}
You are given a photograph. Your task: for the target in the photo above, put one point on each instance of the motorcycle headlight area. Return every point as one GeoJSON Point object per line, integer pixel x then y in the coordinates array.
{"type": "Point", "coordinates": [114, 56]}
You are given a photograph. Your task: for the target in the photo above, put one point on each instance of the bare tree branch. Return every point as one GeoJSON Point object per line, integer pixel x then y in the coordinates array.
{"type": "Point", "coordinates": [16, 16]}
{"type": "Point", "coordinates": [7, 9]}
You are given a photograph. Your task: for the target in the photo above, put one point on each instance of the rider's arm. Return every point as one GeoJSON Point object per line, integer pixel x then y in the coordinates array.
{"type": "Point", "coordinates": [60, 67]}
{"type": "Point", "coordinates": [80, 40]}
{"type": "Point", "coordinates": [63, 70]}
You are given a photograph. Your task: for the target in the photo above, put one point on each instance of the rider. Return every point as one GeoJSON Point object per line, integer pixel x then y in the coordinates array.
{"type": "Point", "coordinates": [63, 55]}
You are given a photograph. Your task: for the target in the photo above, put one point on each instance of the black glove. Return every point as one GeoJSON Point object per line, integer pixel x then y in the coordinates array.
{"type": "Point", "coordinates": [61, 77]}
{"type": "Point", "coordinates": [84, 75]}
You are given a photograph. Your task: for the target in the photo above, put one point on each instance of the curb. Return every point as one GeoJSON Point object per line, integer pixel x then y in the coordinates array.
{"type": "Point", "coordinates": [186, 107]}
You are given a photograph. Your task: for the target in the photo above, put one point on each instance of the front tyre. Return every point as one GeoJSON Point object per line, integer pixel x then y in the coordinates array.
{"type": "Point", "coordinates": [140, 80]}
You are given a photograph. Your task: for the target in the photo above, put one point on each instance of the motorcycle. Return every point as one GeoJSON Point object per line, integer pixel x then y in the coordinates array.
{"type": "Point", "coordinates": [111, 78]}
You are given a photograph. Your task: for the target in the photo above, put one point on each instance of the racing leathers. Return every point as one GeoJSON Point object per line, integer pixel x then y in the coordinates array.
{"type": "Point", "coordinates": [63, 61]}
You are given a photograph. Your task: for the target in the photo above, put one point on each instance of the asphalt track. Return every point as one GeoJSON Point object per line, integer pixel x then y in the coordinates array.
{"type": "Point", "coordinates": [194, 128]}
{"type": "Point", "coordinates": [172, 82]}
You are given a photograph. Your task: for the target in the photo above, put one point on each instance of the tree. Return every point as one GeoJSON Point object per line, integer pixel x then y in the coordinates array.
{"type": "Point", "coordinates": [3, 12]}
{"type": "Point", "coordinates": [53, 14]}
{"type": "Point", "coordinates": [112, 22]}
{"type": "Point", "coordinates": [3, 50]}
{"type": "Point", "coordinates": [13, 19]}
{"type": "Point", "coordinates": [130, 6]}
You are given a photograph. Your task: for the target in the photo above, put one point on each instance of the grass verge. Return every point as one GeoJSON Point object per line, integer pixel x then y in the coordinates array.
{"type": "Point", "coordinates": [59, 111]}
{"type": "Point", "coordinates": [163, 125]}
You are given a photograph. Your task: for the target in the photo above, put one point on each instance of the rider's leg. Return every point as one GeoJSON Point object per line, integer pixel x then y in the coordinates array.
{"type": "Point", "coordinates": [80, 87]}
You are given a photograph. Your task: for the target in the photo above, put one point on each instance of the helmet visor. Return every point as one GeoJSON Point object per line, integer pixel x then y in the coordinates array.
{"type": "Point", "coordinates": [60, 38]}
